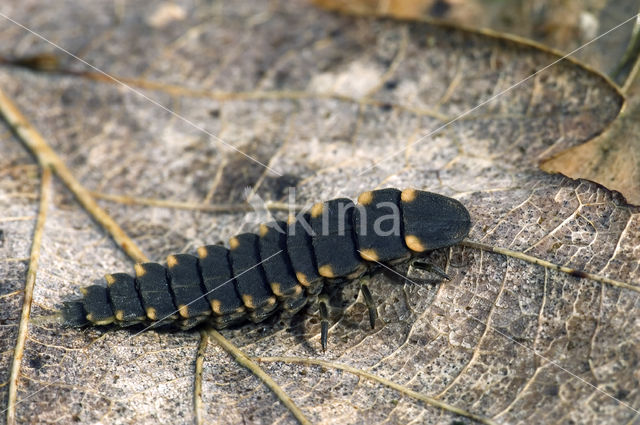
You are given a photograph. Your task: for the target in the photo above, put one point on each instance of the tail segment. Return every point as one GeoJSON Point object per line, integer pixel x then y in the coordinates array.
{"type": "Point", "coordinates": [73, 314]}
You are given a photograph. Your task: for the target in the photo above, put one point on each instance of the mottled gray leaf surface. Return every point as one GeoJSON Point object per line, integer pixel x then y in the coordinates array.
{"type": "Point", "coordinates": [318, 98]}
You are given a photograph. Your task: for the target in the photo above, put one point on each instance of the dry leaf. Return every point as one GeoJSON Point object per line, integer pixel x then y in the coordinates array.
{"type": "Point", "coordinates": [319, 98]}
{"type": "Point", "coordinates": [613, 158]}
{"type": "Point", "coordinates": [460, 11]}
{"type": "Point", "coordinates": [562, 25]}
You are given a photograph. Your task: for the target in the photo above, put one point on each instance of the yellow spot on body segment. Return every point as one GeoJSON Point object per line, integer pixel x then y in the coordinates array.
{"type": "Point", "coordinates": [302, 278]}
{"type": "Point", "coordinates": [264, 229]}
{"type": "Point", "coordinates": [139, 268]}
{"type": "Point", "coordinates": [172, 261]}
{"type": "Point", "coordinates": [183, 310]}
{"type": "Point", "coordinates": [102, 322]}
{"type": "Point", "coordinates": [414, 243]}
{"type": "Point", "coordinates": [248, 301]}
{"type": "Point", "coordinates": [234, 243]}
{"type": "Point", "coordinates": [316, 210]}
{"type": "Point", "coordinates": [110, 279]}
{"type": "Point", "coordinates": [202, 252]}
{"type": "Point", "coordinates": [151, 313]}
{"type": "Point", "coordinates": [84, 291]}
{"type": "Point", "coordinates": [408, 195]}
{"type": "Point", "coordinates": [216, 306]}
{"type": "Point", "coordinates": [275, 288]}
{"type": "Point", "coordinates": [297, 290]}
{"type": "Point", "coordinates": [369, 254]}
{"type": "Point", "coordinates": [120, 315]}
{"type": "Point", "coordinates": [326, 271]}
{"type": "Point", "coordinates": [271, 301]}
{"type": "Point", "coordinates": [365, 198]}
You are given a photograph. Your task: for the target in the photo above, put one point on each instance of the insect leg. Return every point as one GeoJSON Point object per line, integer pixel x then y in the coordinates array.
{"type": "Point", "coordinates": [323, 304]}
{"type": "Point", "coordinates": [420, 264]}
{"type": "Point", "coordinates": [371, 304]}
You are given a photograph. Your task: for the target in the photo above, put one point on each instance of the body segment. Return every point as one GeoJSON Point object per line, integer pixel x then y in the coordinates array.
{"type": "Point", "coordinates": [301, 255]}
{"type": "Point", "coordinates": [378, 226]}
{"type": "Point", "coordinates": [125, 299]}
{"type": "Point", "coordinates": [334, 242]}
{"type": "Point", "coordinates": [185, 284]}
{"type": "Point", "coordinates": [277, 267]}
{"type": "Point", "coordinates": [153, 287]}
{"type": "Point", "coordinates": [251, 283]}
{"type": "Point", "coordinates": [219, 284]}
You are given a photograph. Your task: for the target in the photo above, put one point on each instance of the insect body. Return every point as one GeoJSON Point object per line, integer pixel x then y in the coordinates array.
{"type": "Point", "coordinates": [282, 268]}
